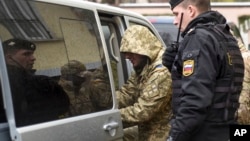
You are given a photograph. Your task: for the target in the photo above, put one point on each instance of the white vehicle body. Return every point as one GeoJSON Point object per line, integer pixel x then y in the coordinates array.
{"type": "Point", "coordinates": [66, 30]}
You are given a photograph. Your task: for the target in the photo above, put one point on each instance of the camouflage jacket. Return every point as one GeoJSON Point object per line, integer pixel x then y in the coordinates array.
{"type": "Point", "coordinates": [145, 99]}
{"type": "Point", "coordinates": [244, 109]}
{"type": "Point", "coordinates": [92, 95]}
{"type": "Point", "coordinates": [80, 102]}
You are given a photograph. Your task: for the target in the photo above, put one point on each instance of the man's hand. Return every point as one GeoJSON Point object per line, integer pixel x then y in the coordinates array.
{"type": "Point", "coordinates": [168, 57]}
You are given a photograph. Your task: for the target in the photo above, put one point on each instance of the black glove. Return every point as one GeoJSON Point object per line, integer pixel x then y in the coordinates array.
{"type": "Point", "coordinates": [169, 56]}
{"type": "Point", "coordinates": [169, 139]}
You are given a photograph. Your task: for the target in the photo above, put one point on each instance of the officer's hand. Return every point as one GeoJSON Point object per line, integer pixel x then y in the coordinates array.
{"type": "Point", "coordinates": [168, 57]}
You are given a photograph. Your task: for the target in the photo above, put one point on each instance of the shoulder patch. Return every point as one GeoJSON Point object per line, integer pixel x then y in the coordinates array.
{"type": "Point", "coordinates": [188, 67]}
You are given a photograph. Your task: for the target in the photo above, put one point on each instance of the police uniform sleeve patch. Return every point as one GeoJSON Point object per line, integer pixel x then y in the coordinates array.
{"type": "Point", "coordinates": [188, 67]}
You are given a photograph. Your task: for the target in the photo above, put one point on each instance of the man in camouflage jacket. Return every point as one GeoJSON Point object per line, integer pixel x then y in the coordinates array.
{"type": "Point", "coordinates": [244, 109]}
{"type": "Point", "coordinates": [145, 99]}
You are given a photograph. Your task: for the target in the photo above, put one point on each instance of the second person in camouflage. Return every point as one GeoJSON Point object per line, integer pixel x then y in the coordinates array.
{"type": "Point", "coordinates": [89, 91]}
{"type": "Point", "coordinates": [244, 109]}
{"type": "Point", "coordinates": [72, 83]}
{"type": "Point", "coordinates": [145, 99]}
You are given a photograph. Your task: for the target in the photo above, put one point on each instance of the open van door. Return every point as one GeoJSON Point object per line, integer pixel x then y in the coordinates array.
{"type": "Point", "coordinates": [66, 31]}
{"type": "Point", "coordinates": [62, 31]}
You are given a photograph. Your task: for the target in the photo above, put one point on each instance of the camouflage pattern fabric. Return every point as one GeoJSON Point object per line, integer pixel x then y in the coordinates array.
{"type": "Point", "coordinates": [244, 109]}
{"type": "Point", "coordinates": [130, 133]}
{"type": "Point", "coordinates": [80, 102]}
{"type": "Point", "coordinates": [88, 91]}
{"type": "Point", "coordinates": [99, 90]}
{"type": "Point", "coordinates": [73, 67]}
{"type": "Point", "coordinates": [145, 100]}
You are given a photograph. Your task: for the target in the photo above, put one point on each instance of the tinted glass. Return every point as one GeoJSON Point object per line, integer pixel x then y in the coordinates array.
{"type": "Point", "coordinates": [69, 75]}
{"type": "Point", "coordinates": [168, 32]}
{"type": "Point", "coordinates": [166, 28]}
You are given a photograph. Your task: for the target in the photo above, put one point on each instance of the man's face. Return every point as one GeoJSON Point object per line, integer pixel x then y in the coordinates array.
{"type": "Point", "coordinates": [22, 57]}
{"type": "Point", "coordinates": [187, 16]}
{"type": "Point", "coordinates": [135, 59]}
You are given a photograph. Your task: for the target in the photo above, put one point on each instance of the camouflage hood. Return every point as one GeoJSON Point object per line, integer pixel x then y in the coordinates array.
{"type": "Point", "coordinates": [138, 39]}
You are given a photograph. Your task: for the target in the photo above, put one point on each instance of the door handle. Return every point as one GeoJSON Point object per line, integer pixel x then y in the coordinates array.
{"type": "Point", "coordinates": [110, 126]}
{"type": "Point", "coordinates": [111, 48]}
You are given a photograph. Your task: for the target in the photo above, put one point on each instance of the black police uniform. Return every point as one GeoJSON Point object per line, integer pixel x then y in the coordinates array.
{"type": "Point", "coordinates": [36, 98]}
{"type": "Point", "coordinates": [207, 76]}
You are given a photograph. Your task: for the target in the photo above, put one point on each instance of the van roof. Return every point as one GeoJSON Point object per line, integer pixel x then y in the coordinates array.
{"type": "Point", "coordinates": [92, 5]}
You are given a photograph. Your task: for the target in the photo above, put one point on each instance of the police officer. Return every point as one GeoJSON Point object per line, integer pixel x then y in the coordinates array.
{"type": "Point", "coordinates": [207, 74]}
{"type": "Point", "coordinates": [144, 101]}
{"type": "Point", "coordinates": [36, 98]}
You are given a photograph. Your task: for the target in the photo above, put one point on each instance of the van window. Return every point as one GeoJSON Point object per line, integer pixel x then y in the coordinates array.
{"type": "Point", "coordinates": [111, 33]}
{"type": "Point", "coordinates": [164, 25]}
{"type": "Point", "coordinates": [69, 75]}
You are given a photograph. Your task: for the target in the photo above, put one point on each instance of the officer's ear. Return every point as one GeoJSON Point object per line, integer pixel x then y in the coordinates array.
{"type": "Point", "coordinates": [192, 11]}
{"type": "Point", "coordinates": [8, 58]}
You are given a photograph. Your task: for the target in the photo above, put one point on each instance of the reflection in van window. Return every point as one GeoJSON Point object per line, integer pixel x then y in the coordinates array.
{"type": "Point", "coordinates": [63, 77]}
{"type": "Point", "coordinates": [36, 98]}
{"type": "Point", "coordinates": [28, 24]}
{"type": "Point", "coordinates": [89, 91]}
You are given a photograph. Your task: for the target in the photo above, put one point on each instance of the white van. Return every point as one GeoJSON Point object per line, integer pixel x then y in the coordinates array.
{"type": "Point", "coordinates": [65, 30]}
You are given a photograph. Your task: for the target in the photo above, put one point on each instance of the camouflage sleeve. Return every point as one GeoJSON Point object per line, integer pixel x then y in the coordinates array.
{"type": "Point", "coordinates": [126, 95]}
{"type": "Point", "coordinates": [152, 100]}
{"type": "Point", "coordinates": [244, 110]}
{"type": "Point", "coordinates": [101, 94]}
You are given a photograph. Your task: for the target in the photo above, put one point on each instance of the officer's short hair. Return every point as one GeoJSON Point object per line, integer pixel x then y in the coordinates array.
{"type": "Point", "coordinates": [16, 44]}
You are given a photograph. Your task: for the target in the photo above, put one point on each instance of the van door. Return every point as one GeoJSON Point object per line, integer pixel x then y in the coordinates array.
{"type": "Point", "coordinates": [70, 51]}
